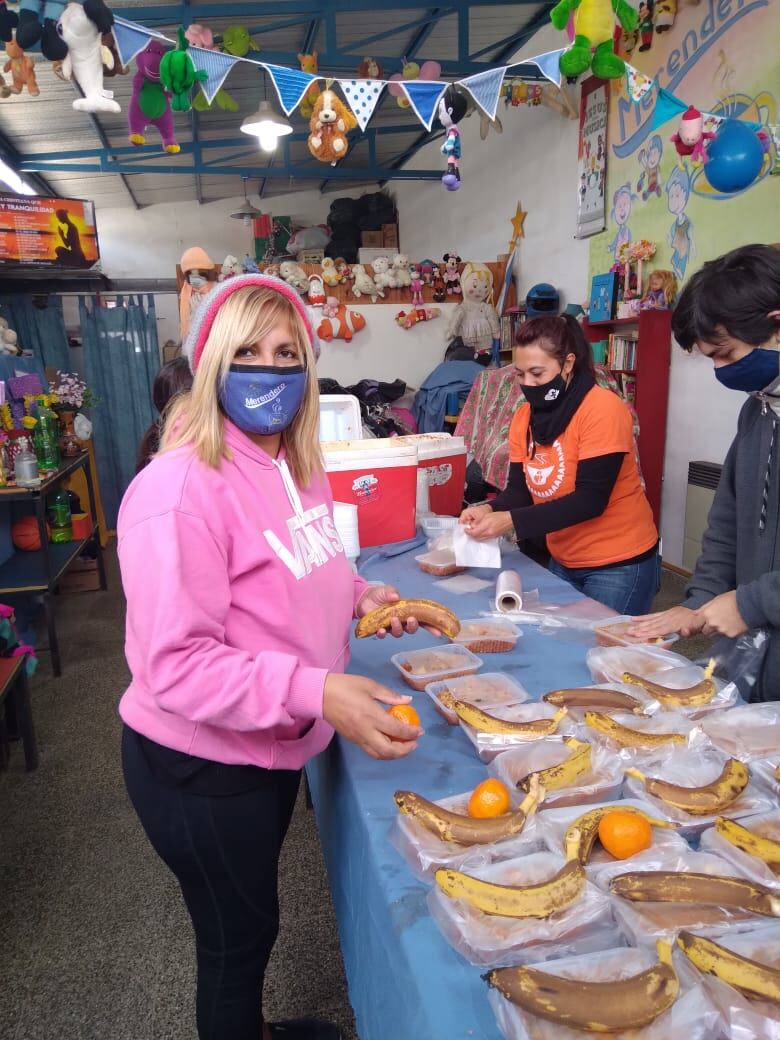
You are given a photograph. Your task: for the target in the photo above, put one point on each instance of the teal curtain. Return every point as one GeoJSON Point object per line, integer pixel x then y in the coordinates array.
{"type": "Point", "coordinates": [121, 358]}
{"type": "Point", "coordinates": [40, 328]}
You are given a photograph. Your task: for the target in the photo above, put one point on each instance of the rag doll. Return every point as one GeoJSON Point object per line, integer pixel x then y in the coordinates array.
{"type": "Point", "coordinates": [661, 292]}
{"type": "Point", "coordinates": [150, 105]}
{"type": "Point", "coordinates": [452, 108]}
{"type": "Point", "coordinates": [85, 60]}
{"type": "Point", "coordinates": [451, 275]}
{"type": "Point", "coordinates": [475, 320]}
{"type": "Point", "coordinates": [198, 268]}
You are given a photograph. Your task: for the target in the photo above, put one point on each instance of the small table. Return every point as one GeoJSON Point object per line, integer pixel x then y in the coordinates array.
{"type": "Point", "coordinates": [15, 692]}
{"type": "Point", "coordinates": [40, 571]}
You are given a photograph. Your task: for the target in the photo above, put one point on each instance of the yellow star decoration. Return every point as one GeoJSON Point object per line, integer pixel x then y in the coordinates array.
{"type": "Point", "coordinates": [517, 226]}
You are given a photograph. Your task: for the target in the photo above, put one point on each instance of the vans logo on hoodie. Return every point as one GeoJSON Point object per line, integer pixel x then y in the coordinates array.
{"type": "Point", "coordinates": [314, 541]}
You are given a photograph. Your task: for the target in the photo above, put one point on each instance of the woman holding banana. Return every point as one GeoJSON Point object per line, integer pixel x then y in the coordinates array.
{"type": "Point", "coordinates": [239, 605]}
{"type": "Point", "coordinates": [573, 476]}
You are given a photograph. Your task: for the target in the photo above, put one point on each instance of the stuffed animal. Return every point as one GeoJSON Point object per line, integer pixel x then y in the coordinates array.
{"type": "Point", "coordinates": [85, 60]}
{"type": "Point", "coordinates": [231, 266]}
{"type": "Point", "coordinates": [364, 284]}
{"type": "Point", "coordinates": [5, 90]}
{"type": "Point", "coordinates": [272, 270]}
{"type": "Point", "coordinates": [338, 322]}
{"type": "Point", "coordinates": [344, 270]}
{"type": "Point", "coordinates": [178, 74]}
{"type": "Point", "coordinates": [475, 320]}
{"type": "Point", "coordinates": [8, 22]}
{"type": "Point", "coordinates": [369, 69]}
{"type": "Point", "coordinates": [316, 291]}
{"type": "Point", "coordinates": [200, 36]}
{"type": "Point", "coordinates": [451, 275]}
{"type": "Point", "coordinates": [22, 70]}
{"type": "Point", "coordinates": [329, 124]}
{"type": "Point", "coordinates": [593, 47]}
{"type": "Point", "coordinates": [237, 41]}
{"type": "Point", "coordinates": [690, 138]}
{"type": "Point", "coordinates": [249, 265]}
{"type": "Point", "coordinates": [8, 343]}
{"type": "Point", "coordinates": [38, 22]}
{"type": "Point", "coordinates": [295, 276]}
{"type": "Point", "coordinates": [665, 14]}
{"type": "Point", "coordinates": [439, 288]}
{"type": "Point", "coordinates": [308, 63]}
{"type": "Point", "coordinates": [416, 285]}
{"type": "Point", "coordinates": [401, 271]}
{"type": "Point", "coordinates": [383, 273]}
{"type": "Point", "coordinates": [150, 104]}
{"type": "Point", "coordinates": [646, 24]}
{"type": "Point", "coordinates": [427, 270]}
{"type": "Point", "coordinates": [406, 319]}
{"type": "Point", "coordinates": [452, 108]}
{"type": "Point", "coordinates": [330, 274]}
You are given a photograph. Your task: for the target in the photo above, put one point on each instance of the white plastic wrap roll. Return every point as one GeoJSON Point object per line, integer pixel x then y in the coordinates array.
{"type": "Point", "coordinates": [509, 593]}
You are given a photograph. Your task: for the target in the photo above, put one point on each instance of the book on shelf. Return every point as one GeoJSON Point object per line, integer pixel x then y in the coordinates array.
{"type": "Point", "coordinates": [603, 297]}
{"type": "Point", "coordinates": [621, 353]}
{"type": "Point", "coordinates": [510, 320]}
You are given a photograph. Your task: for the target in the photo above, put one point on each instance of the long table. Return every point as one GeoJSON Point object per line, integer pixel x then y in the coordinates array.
{"type": "Point", "coordinates": [405, 981]}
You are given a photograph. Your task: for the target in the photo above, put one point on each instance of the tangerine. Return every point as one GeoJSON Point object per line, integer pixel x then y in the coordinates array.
{"type": "Point", "coordinates": [404, 713]}
{"type": "Point", "coordinates": [624, 834]}
{"type": "Point", "coordinates": [489, 799]}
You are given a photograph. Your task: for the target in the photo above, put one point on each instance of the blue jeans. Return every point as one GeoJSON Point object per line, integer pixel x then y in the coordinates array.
{"type": "Point", "coordinates": [627, 588]}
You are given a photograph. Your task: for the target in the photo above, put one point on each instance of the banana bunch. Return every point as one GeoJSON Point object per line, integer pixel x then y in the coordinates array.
{"type": "Point", "coordinates": [765, 849]}
{"type": "Point", "coordinates": [750, 977]}
{"type": "Point", "coordinates": [667, 886]}
{"type": "Point", "coordinates": [588, 827]}
{"type": "Point", "coordinates": [541, 900]}
{"type": "Point", "coordinates": [590, 697]}
{"type": "Point", "coordinates": [629, 738]}
{"type": "Point", "coordinates": [594, 1007]}
{"type": "Point", "coordinates": [693, 696]}
{"type": "Point", "coordinates": [485, 723]}
{"type": "Point", "coordinates": [565, 773]}
{"type": "Point", "coordinates": [466, 830]}
{"type": "Point", "coordinates": [700, 801]}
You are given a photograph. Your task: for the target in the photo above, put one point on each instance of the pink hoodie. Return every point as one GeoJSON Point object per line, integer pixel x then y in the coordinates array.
{"type": "Point", "coordinates": [239, 602]}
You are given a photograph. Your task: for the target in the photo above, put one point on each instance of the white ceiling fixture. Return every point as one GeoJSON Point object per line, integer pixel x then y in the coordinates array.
{"type": "Point", "coordinates": [246, 211]}
{"type": "Point", "coordinates": [267, 126]}
{"type": "Point", "coordinates": [10, 177]}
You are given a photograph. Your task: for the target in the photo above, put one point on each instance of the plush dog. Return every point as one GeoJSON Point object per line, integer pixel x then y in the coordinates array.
{"type": "Point", "coordinates": [329, 124]}
{"type": "Point", "coordinates": [295, 276]}
{"type": "Point", "coordinates": [85, 60]}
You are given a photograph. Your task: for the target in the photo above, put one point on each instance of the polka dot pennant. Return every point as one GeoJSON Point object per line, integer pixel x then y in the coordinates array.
{"type": "Point", "coordinates": [362, 95]}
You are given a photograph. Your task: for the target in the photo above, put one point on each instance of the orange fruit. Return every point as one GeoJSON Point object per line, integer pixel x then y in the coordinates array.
{"type": "Point", "coordinates": [489, 799]}
{"type": "Point", "coordinates": [624, 834]}
{"type": "Point", "coordinates": [404, 713]}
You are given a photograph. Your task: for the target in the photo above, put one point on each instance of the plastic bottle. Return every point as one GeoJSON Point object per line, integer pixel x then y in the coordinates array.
{"type": "Point", "coordinates": [26, 466]}
{"type": "Point", "coordinates": [59, 517]}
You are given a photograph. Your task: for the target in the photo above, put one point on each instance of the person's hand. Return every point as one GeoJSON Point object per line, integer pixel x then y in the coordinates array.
{"type": "Point", "coordinates": [377, 596]}
{"type": "Point", "coordinates": [678, 619]}
{"type": "Point", "coordinates": [721, 616]}
{"type": "Point", "coordinates": [473, 513]}
{"type": "Point", "coordinates": [491, 525]}
{"type": "Point", "coordinates": [350, 705]}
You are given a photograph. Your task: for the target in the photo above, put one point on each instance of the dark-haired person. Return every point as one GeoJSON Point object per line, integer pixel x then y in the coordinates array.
{"type": "Point", "coordinates": [573, 475]}
{"type": "Point", "coordinates": [174, 378]}
{"type": "Point", "coordinates": [730, 311]}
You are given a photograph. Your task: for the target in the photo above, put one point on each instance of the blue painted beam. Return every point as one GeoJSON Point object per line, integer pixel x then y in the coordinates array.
{"type": "Point", "coordinates": [512, 46]}
{"type": "Point", "coordinates": [172, 14]}
{"type": "Point", "coordinates": [426, 22]}
{"type": "Point", "coordinates": [296, 171]}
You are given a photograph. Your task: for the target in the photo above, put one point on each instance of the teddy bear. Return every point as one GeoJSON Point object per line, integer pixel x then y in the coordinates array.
{"type": "Point", "coordinates": [383, 273]}
{"type": "Point", "coordinates": [231, 266]}
{"type": "Point", "coordinates": [330, 275]}
{"type": "Point", "coordinates": [401, 271]}
{"type": "Point", "coordinates": [369, 69]}
{"type": "Point", "coordinates": [329, 124]}
{"type": "Point", "coordinates": [21, 68]}
{"type": "Point", "coordinates": [8, 344]}
{"type": "Point", "coordinates": [294, 275]}
{"type": "Point", "coordinates": [364, 284]}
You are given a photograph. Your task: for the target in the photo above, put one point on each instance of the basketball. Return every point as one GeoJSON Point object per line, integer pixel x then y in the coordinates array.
{"type": "Point", "coordinates": [25, 534]}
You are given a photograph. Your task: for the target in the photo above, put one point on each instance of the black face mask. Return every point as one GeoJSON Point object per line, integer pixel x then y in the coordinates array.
{"type": "Point", "coordinates": [547, 397]}
{"type": "Point", "coordinates": [554, 404]}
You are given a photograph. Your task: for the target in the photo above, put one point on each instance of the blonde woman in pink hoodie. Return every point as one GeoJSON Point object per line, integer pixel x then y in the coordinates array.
{"type": "Point", "coordinates": [240, 602]}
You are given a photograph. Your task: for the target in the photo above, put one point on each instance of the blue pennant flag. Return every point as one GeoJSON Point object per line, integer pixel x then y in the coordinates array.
{"type": "Point", "coordinates": [549, 64]}
{"type": "Point", "coordinates": [485, 88]}
{"type": "Point", "coordinates": [667, 107]}
{"type": "Point", "coordinates": [216, 64]}
{"type": "Point", "coordinates": [291, 85]}
{"type": "Point", "coordinates": [424, 96]}
{"type": "Point", "coordinates": [130, 39]}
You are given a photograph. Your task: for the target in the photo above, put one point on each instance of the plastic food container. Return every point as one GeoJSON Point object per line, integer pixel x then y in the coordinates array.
{"type": "Point", "coordinates": [439, 562]}
{"type": "Point", "coordinates": [490, 690]}
{"type": "Point", "coordinates": [340, 418]}
{"type": "Point", "coordinates": [766, 825]}
{"type": "Point", "coordinates": [433, 526]}
{"type": "Point", "coordinates": [765, 774]}
{"type": "Point", "coordinates": [615, 633]}
{"type": "Point", "coordinates": [693, 1016]}
{"type": "Point", "coordinates": [747, 731]}
{"type": "Point", "coordinates": [425, 853]}
{"type": "Point", "coordinates": [661, 722]}
{"type": "Point", "coordinates": [420, 667]}
{"type": "Point", "coordinates": [487, 635]}
{"type": "Point", "coordinates": [601, 783]}
{"type": "Point", "coordinates": [490, 941]}
{"type": "Point", "coordinates": [488, 745]}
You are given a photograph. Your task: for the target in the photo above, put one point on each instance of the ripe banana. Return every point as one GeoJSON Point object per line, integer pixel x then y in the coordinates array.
{"type": "Point", "coordinates": [748, 976]}
{"type": "Point", "coordinates": [777, 772]}
{"type": "Point", "coordinates": [629, 738]}
{"type": "Point", "coordinates": [700, 801]}
{"type": "Point", "coordinates": [565, 773]}
{"type": "Point", "coordinates": [666, 886]}
{"type": "Point", "coordinates": [701, 693]}
{"type": "Point", "coordinates": [594, 1007]}
{"type": "Point", "coordinates": [426, 611]}
{"type": "Point", "coordinates": [588, 826]}
{"type": "Point", "coordinates": [540, 900]}
{"type": "Point", "coordinates": [764, 849]}
{"type": "Point", "coordinates": [484, 723]}
{"type": "Point", "coordinates": [588, 697]}
{"type": "Point", "coordinates": [466, 830]}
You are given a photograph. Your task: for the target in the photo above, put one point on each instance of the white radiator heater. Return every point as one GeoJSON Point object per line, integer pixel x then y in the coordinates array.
{"type": "Point", "coordinates": [703, 478]}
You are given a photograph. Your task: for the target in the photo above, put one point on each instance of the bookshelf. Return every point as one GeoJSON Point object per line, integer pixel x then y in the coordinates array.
{"type": "Point", "coordinates": [641, 351]}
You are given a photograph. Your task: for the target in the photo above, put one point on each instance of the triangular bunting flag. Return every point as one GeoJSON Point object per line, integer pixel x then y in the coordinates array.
{"type": "Point", "coordinates": [216, 64]}
{"type": "Point", "coordinates": [130, 39]}
{"type": "Point", "coordinates": [485, 88]}
{"type": "Point", "coordinates": [291, 85]}
{"type": "Point", "coordinates": [424, 96]}
{"type": "Point", "coordinates": [667, 107]}
{"type": "Point", "coordinates": [637, 83]}
{"type": "Point", "coordinates": [362, 95]}
{"type": "Point", "coordinates": [711, 122]}
{"type": "Point", "coordinates": [549, 64]}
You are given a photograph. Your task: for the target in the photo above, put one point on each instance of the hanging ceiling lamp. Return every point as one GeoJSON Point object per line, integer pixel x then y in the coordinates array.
{"type": "Point", "coordinates": [246, 211]}
{"type": "Point", "coordinates": [267, 126]}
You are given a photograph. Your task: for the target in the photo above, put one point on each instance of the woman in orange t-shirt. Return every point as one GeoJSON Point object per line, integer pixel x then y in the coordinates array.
{"type": "Point", "coordinates": [573, 475]}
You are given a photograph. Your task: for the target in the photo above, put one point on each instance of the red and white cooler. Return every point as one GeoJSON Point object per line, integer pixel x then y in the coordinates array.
{"type": "Point", "coordinates": [380, 477]}
{"type": "Point", "coordinates": [443, 457]}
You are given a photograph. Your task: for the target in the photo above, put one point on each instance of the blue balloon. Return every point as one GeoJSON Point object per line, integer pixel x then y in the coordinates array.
{"type": "Point", "coordinates": [736, 157]}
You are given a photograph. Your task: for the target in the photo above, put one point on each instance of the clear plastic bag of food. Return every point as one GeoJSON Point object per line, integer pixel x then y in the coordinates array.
{"type": "Point", "coordinates": [488, 635]}
{"type": "Point", "coordinates": [577, 705]}
{"type": "Point", "coordinates": [490, 940]}
{"type": "Point", "coordinates": [747, 731]}
{"type": "Point", "coordinates": [488, 745]}
{"type": "Point", "coordinates": [743, 1017]}
{"type": "Point", "coordinates": [682, 768]}
{"type": "Point", "coordinates": [420, 667]}
{"type": "Point", "coordinates": [767, 774]}
{"type": "Point", "coordinates": [614, 632]}
{"type": "Point", "coordinates": [487, 691]}
{"type": "Point", "coordinates": [691, 1017]}
{"type": "Point", "coordinates": [554, 823]}
{"type": "Point", "coordinates": [601, 781]}
{"type": "Point", "coordinates": [763, 825]}
{"type": "Point", "coordinates": [438, 562]}
{"type": "Point", "coordinates": [622, 732]}
{"type": "Point", "coordinates": [643, 923]}
{"type": "Point", "coordinates": [425, 853]}
{"type": "Point", "coordinates": [742, 659]}
{"type": "Point", "coordinates": [581, 614]}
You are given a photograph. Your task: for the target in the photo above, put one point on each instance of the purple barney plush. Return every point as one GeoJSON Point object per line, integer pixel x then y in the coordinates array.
{"type": "Point", "coordinates": [151, 103]}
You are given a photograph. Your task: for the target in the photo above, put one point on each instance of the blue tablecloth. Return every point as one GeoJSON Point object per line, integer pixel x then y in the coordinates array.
{"type": "Point", "coordinates": [405, 981]}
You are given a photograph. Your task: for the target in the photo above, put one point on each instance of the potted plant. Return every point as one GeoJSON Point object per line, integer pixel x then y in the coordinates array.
{"type": "Point", "coordinates": [72, 394]}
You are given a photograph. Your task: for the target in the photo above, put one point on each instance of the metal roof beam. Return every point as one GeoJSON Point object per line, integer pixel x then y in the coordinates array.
{"type": "Point", "coordinates": [427, 22]}
{"type": "Point", "coordinates": [173, 14]}
{"type": "Point", "coordinates": [513, 43]}
{"type": "Point", "coordinates": [14, 159]}
{"type": "Point", "coordinates": [289, 169]}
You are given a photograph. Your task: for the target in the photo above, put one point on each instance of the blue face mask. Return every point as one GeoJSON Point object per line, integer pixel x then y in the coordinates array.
{"type": "Point", "coordinates": [752, 373]}
{"type": "Point", "coordinates": [263, 399]}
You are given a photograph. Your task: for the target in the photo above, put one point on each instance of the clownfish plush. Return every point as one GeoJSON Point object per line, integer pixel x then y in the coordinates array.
{"type": "Point", "coordinates": [338, 322]}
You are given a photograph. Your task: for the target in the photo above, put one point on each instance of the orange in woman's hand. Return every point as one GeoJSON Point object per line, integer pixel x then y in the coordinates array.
{"type": "Point", "coordinates": [624, 834]}
{"type": "Point", "coordinates": [489, 799]}
{"type": "Point", "coordinates": [404, 713]}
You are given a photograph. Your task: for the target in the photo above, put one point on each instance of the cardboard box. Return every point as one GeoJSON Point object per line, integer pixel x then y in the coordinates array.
{"type": "Point", "coordinates": [390, 235]}
{"type": "Point", "coordinates": [372, 239]}
{"type": "Point", "coordinates": [170, 351]}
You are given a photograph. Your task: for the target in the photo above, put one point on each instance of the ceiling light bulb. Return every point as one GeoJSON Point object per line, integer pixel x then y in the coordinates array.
{"type": "Point", "coordinates": [267, 137]}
